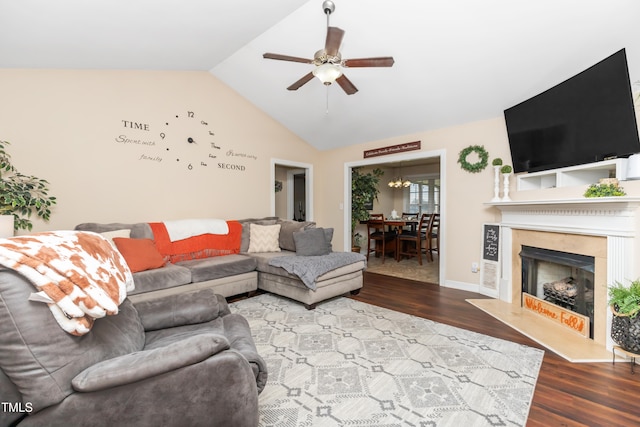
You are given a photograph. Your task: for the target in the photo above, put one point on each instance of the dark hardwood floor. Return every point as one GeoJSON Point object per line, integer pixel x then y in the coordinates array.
{"type": "Point", "coordinates": [567, 394]}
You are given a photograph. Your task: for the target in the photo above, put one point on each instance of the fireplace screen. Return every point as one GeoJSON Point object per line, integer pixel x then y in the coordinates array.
{"type": "Point", "coordinates": [560, 278]}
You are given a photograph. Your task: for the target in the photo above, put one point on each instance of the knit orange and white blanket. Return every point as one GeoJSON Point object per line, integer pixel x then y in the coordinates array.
{"type": "Point", "coordinates": [80, 274]}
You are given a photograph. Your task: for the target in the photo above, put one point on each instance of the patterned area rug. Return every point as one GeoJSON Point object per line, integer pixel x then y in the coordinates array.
{"type": "Point", "coordinates": [348, 363]}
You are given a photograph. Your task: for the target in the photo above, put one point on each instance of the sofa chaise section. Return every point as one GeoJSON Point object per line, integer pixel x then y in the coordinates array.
{"type": "Point", "coordinates": [344, 279]}
{"type": "Point", "coordinates": [276, 280]}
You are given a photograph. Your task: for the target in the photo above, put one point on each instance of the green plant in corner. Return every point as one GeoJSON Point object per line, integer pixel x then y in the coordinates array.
{"type": "Point", "coordinates": [496, 162]}
{"type": "Point", "coordinates": [22, 195]}
{"type": "Point", "coordinates": [364, 190]}
{"type": "Point", "coordinates": [625, 300]}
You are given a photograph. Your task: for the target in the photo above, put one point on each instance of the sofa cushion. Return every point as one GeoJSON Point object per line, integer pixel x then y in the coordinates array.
{"type": "Point", "coordinates": [40, 358]}
{"type": "Point", "coordinates": [264, 238]}
{"type": "Point", "coordinates": [262, 260]}
{"type": "Point", "coordinates": [246, 229]}
{"type": "Point", "coordinates": [184, 308]}
{"type": "Point", "coordinates": [217, 267]}
{"type": "Point", "coordinates": [137, 366]}
{"type": "Point", "coordinates": [139, 230]}
{"type": "Point", "coordinates": [311, 242]}
{"type": "Point", "coordinates": [169, 276]}
{"type": "Point", "coordinates": [140, 254]}
{"type": "Point", "coordinates": [287, 228]}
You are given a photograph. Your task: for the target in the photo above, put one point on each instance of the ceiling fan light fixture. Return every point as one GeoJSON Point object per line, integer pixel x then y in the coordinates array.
{"type": "Point", "coordinates": [327, 73]}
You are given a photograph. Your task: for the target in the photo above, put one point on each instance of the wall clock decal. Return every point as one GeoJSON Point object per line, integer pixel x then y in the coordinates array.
{"type": "Point", "coordinates": [189, 139]}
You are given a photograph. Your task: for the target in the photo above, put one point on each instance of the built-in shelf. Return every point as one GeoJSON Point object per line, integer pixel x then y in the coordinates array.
{"type": "Point", "coordinates": [573, 176]}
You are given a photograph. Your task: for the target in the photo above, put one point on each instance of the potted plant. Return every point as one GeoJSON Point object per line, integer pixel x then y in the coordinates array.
{"type": "Point", "coordinates": [357, 242]}
{"type": "Point", "coordinates": [496, 163]}
{"type": "Point", "coordinates": [607, 187]}
{"type": "Point", "coordinates": [624, 302]}
{"type": "Point", "coordinates": [364, 190]}
{"type": "Point", "coordinates": [506, 171]}
{"type": "Point", "coordinates": [22, 195]}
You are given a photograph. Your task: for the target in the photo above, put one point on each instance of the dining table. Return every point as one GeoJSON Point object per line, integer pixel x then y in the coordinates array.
{"type": "Point", "coordinates": [401, 224]}
{"type": "Point", "coordinates": [398, 224]}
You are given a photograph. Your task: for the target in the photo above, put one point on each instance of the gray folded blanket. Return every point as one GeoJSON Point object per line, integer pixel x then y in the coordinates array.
{"type": "Point", "coordinates": [309, 268]}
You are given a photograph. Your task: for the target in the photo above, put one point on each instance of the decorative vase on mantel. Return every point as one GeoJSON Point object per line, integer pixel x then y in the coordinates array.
{"type": "Point", "coordinates": [505, 188]}
{"type": "Point", "coordinates": [506, 172]}
{"type": "Point", "coordinates": [496, 184]}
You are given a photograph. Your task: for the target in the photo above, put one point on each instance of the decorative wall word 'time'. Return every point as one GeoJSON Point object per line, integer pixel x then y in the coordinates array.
{"type": "Point", "coordinates": [135, 125]}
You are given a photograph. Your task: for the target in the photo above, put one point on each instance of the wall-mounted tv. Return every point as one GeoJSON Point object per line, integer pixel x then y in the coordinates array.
{"type": "Point", "coordinates": [588, 118]}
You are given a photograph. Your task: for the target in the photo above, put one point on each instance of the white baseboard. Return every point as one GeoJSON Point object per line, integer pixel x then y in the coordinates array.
{"type": "Point", "coordinates": [463, 286]}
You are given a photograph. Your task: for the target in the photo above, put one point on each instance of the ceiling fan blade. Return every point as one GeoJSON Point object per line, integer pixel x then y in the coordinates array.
{"type": "Point", "coordinates": [346, 85]}
{"type": "Point", "coordinates": [334, 39]}
{"type": "Point", "coordinates": [287, 58]}
{"type": "Point", "coordinates": [302, 81]}
{"type": "Point", "coordinates": [383, 61]}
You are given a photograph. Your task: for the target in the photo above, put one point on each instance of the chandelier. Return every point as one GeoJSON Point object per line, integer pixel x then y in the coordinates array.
{"type": "Point", "coordinates": [399, 182]}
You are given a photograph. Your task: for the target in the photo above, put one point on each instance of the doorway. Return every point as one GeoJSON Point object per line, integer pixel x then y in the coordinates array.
{"type": "Point", "coordinates": [292, 197]}
{"type": "Point", "coordinates": [437, 156]}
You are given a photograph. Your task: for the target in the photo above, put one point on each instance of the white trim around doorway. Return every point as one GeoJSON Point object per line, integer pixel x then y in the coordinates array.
{"type": "Point", "coordinates": [441, 154]}
{"type": "Point", "coordinates": [308, 170]}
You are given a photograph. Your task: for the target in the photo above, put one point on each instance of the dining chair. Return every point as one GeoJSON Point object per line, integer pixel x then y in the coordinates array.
{"type": "Point", "coordinates": [410, 242]}
{"type": "Point", "coordinates": [414, 216]}
{"type": "Point", "coordinates": [433, 234]}
{"type": "Point", "coordinates": [384, 240]}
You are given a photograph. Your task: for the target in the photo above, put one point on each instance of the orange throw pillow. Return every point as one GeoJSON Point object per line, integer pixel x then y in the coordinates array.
{"type": "Point", "coordinates": [140, 254]}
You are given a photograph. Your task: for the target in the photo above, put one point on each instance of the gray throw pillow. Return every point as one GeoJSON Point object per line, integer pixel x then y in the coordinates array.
{"type": "Point", "coordinates": [328, 234]}
{"type": "Point", "coordinates": [288, 228]}
{"type": "Point", "coordinates": [311, 242]}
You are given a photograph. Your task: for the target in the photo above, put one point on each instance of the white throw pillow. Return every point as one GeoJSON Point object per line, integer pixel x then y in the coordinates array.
{"type": "Point", "coordinates": [264, 238]}
{"type": "Point", "coordinates": [109, 235]}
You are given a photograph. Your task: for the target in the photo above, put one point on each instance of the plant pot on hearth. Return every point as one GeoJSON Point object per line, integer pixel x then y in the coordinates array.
{"type": "Point", "coordinates": [625, 331]}
{"type": "Point", "coordinates": [625, 306]}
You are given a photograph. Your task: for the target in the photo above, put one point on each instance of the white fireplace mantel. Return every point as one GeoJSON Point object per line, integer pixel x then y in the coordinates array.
{"type": "Point", "coordinates": [603, 216]}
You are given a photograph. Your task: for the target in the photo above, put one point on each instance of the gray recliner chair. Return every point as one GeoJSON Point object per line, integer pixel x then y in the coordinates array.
{"type": "Point", "coordinates": [174, 361]}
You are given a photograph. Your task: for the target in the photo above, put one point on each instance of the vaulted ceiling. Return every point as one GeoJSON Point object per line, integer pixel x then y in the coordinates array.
{"type": "Point", "coordinates": [455, 61]}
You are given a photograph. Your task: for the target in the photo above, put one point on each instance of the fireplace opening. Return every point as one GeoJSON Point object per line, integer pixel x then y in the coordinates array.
{"type": "Point", "coordinates": [560, 278]}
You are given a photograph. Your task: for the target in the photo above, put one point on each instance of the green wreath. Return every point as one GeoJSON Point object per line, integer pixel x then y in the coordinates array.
{"type": "Point", "coordinates": [480, 164]}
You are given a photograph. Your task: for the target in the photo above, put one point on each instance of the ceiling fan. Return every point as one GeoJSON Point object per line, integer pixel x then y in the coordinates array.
{"type": "Point", "coordinates": [329, 62]}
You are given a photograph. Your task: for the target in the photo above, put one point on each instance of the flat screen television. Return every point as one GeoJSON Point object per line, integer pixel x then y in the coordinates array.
{"type": "Point", "coordinates": [588, 118]}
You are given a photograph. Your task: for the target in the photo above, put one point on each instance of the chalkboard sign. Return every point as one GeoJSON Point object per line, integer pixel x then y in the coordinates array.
{"type": "Point", "coordinates": [491, 242]}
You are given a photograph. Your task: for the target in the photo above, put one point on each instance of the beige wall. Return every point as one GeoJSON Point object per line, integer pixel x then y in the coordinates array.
{"type": "Point", "coordinates": [465, 192]}
{"type": "Point", "coordinates": [63, 126]}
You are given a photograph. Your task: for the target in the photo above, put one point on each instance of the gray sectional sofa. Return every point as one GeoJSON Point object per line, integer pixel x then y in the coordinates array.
{"type": "Point", "coordinates": [247, 271]}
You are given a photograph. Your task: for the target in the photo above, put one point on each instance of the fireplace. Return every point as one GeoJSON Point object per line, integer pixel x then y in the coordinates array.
{"type": "Point", "coordinates": [602, 229]}
{"type": "Point", "coordinates": [560, 278]}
